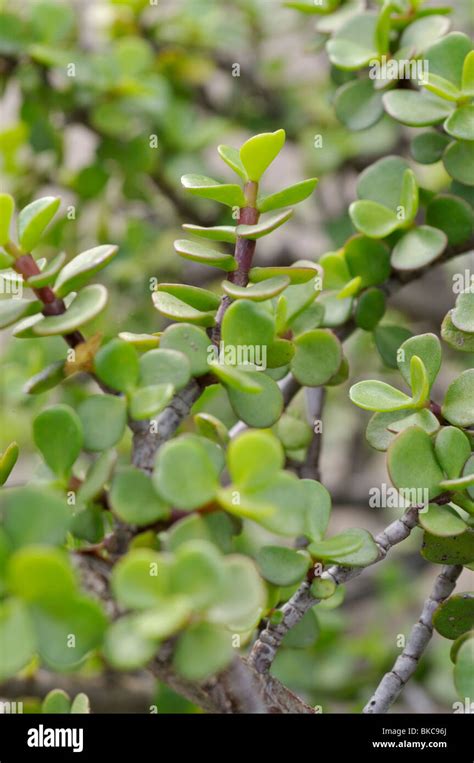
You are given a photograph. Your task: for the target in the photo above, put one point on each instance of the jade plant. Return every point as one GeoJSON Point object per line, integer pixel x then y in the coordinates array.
{"type": "Point", "coordinates": [129, 547]}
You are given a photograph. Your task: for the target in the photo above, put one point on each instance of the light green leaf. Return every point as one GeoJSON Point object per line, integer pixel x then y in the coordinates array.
{"type": "Point", "coordinates": [368, 259]}
{"type": "Point", "coordinates": [164, 367]}
{"type": "Point", "coordinates": [8, 460]}
{"type": "Point", "coordinates": [133, 498]}
{"type": "Point", "coordinates": [177, 310]}
{"type": "Point", "coordinates": [452, 449]}
{"type": "Point", "coordinates": [86, 306]}
{"type": "Point", "coordinates": [80, 270]}
{"type": "Point", "coordinates": [116, 364]}
{"type": "Point", "coordinates": [192, 250]}
{"type": "Point", "coordinates": [261, 409]}
{"type": "Point", "coordinates": [467, 80]}
{"type": "Point", "coordinates": [203, 650]}
{"type": "Point", "coordinates": [458, 161]}
{"type": "Point", "coordinates": [282, 566]}
{"type": "Point", "coordinates": [140, 580]}
{"type": "Point", "coordinates": [33, 220]}
{"type": "Point", "coordinates": [48, 274]}
{"type": "Point", "coordinates": [455, 616]}
{"type": "Point", "coordinates": [373, 219]}
{"type": "Point", "coordinates": [234, 378]}
{"type": "Point", "coordinates": [464, 670]}
{"type": "Point", "coordinates": [358, 105]}
{"type": "Point", "coordinates": [412, 463]}
{"type": "Point", "coordinates": [224, 233]}
{"type": "Point", "coordinates": [16, 637]}
{"type": "Point", "coordinates": [297, 275]}
{"type": "Point", "coordinates": [259, 152]}
{"type": "Point", "coordinates": [146, 402]}
{"type": "Point", "coordinates": [39, 573]}
{"type": "Point", "coordinates": [197, 573]}
{"type": "Point", "coordinates": [103, 420]}
{"type": "Point", "coordinates": [56, 702]}
{"type": "Point", "coordinates": [201, 299]}
{"type": "Point", "coordinates": [185, 455]}
{"type": "Point", "coordinates": [442, 521]}
{"type": "Point", "coordinates": [318, 355]}
{"type": "Point", "coordinates": [418, 248]}
{"type": "Point", "coordinates": [7, 207]}
{"type": "Point", "coordinates": [125, 647]}
{"type": "Point", "coordinates": [416, 109]}
{"type": "Point", "coordinates": [57, 432]}
{"type": "Point", "coordinates": [254, 458]}
{"type": "Point", "coordinates": [293, 194]}
{"type": "Point", "coordinates": [463, 314]}
{"type": "Point", "coordinates": [259, 292]}
{"type": "Point", "coordinates": [420, 385]}
{"type": "Point", "coordinates": [460, 124]}
{"type": "Point", "coordinates": [458, 406]}
{"type": "Point", "coordinates": [409, 196]}
{"type": "Point", "coordinates": [207, 188]}
{"type": "Point", "coordinates": [34, 515]}
{"type": "Point", "coordinates": [442, 87]}
{"type": "Point", "coordinates": [231, 156]}
{"type": "Point", "coordinates": [352, 548]}
{"type": "Point", "coordinates": [242, 596]}
{"type": "Point", "coordinates": [190, 340]}
{"type": "Point", "coordinates": [353, 45]}
{"type": "Point", "coordinates": [378, 396]}
{"type": "Point", "coordinates": [13, 310]}
{"type": "Point", "coordinates": [263, 228]}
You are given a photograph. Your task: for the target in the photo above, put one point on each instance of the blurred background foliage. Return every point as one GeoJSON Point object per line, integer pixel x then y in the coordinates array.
{"type": "Point", "coordinates": [106, 104]}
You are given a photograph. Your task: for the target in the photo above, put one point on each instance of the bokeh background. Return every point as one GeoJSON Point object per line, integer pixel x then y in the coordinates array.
{"type": "Point", "coordinates": [107, 104]}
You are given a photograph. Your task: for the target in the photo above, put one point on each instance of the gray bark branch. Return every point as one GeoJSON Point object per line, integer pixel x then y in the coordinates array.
{"type": "Point", "coordinates": [405, 665]}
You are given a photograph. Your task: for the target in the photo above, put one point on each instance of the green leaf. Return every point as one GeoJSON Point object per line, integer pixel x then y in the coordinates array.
{"type": "Point", "coordinates": [5, 260]}
{"type": "Point", "coordinates": [420, 385]}
{"type": "Point", "coordinates": [460, 123]}
{"type": "Point", "coordinates": [458, 406]}
{"type": "Point", "coordinates": [224, 233]}
{"type": "Point", "coordinates": [116, 364]}
{"type": "Point", "coordinates": [463, 314]}
{"type": "Point", "coordinates": [460, 340]}
{"type": "Point", "coordinates": [378, 396]}
{"type": "Point", "coordinates": [446, 57]}
{"type": "Point", "coordinates": [442, 521]}
{"type": "Point", "coordinates": [231, 377]}
{"type": "Point", "coordinates": [56, 702]}
{"type": "Point", "coordinates": [16, 637]}
{"type": "Point", "coordinates": [140, 341]}
{"type": "Point", "coordinates": [146, 402]}
{"type": "Point", "coordinates": [247, 324]}
{"type": "Point", "coordinates": [242, 597]}
{"type": "Point", "coordinates": [171, 615]}
{"type": "Point", "coordinates": [192, 250]}
{"type": "Point", "coordinates": [254, 458]}
{"type": "Point", "coordinates": [358, 106]}
{"type": "Point", "coordinates": [455, 616]}
{"type": "Point", "coordinates": [460, 483]}
{"type": "Point", "coordinates": [293, 433]}
{"type": "Point", "coordinates": [372, 219]}
{"type": "Point", "coordinates": [368, 259]}
{"type": "Point", "coordinates": [201, 299]}
{"type": "Point", "coordinates": [452, 449]}
{"type": "Point", "coordinates": [267, 289]}
{"type": "Point", "coordinates": [458, 161]}
{"type": "Point", "coordinates": [370, 309]}
{"type": "Point", "coordinates": [202, 650]}
{"type": "Point", "coordinates": [409, 197]}
{"type": "Point", "coordinates": [466, 636]}
{"type": "Point", "coordinates": [424, 31]}
{"type": "Point", "coordinates": [190, 340]}
{"type": "Point", "coordinates": [261, 409]}
{"type": "Point", "coordinates": [452, 215]}
{"type": "Point", "coordinates": [318, 355]}
{"type": "Point", "coordinates": [57, 432]}
{"type": "Point", "coordinates": [34, 515]}
{"type": "Point", "coordinates": [388, 340]}
{"type": "Point", "coordinates": [125, 647]}
{"type": "Point", "coordinates": [258, 153]}
{"type": "Point", "coordinates": [97, 476]}
{"type": "Point", "coordinates": [197, 573]}
{"type": "Point", "coordinates": [80, 704]}
{"type": "Point", "coordinates": [8, 460]}
{"type": "Point", "coordinates": [207, 188]}
{"type": "Point", "coordinates": [12, 310]}
{"type": "Point", "coordinates": [382, 182]}
{"type": "Point", "coordinates": [185, 455]}
{"type": "Point", "coordinates": [7, 207]}
{"type": "Point", "coordinates": [428, 147]}
{"type": "Point", "coordinates": [353, 45]}
{"type": "Point", "coordinates": [463, 670]}
{"type": "Point", "coordinates": [287, 197]}
{"type": "Point", "coordinates": [282, 566]}
{"type": "Point", "coordinates": [416, 109]}
{"type": "Point", "coordinates": [33, 220]}
{"type": "Point", "coordinates": [318, 508]}
{"type": "Point", "coordinates": [48, 274]}
{"type": "Point", "coordinates": [56, 621]}
{"type": "Point", "coordinates": [412, 464]}
{"type": "Point", "coordinates": [352, 548]}
{"type": "Point", "coordinates": [297, 275]}
{"type": "Point", "coordinates": [442, 87]}
{"type": "Point", "coordinates": [458, 549]}
{"type": "Point", "coordinates": [80, 270]}
{"type": "Point", "coordinates": [427, 348]}
{"type": "Point", "coordinates": [103, 420]}
{"type": "Point", "coordinates": [383, 427]}
{"type": "Point", "coordinates": [164, 367]}
{"type": "Point", "coordinates": [231, 156]}
{"type": "Point", "coordinates": [86, 306]}
{"type": "Point", "coordinates": [41, 574]}
{"type": "Point", "coordinates": [322, 588]}
{"type": "Point", "coordinates": [140, 580]}
{"type": "Point", "coordinates": [418, 248]}
{"type": "Point", "coordinates": [467, 80]}
{"type": "Point", "coordinates": [133, 498]}
{"type": "Point", "coordinates": [177, 310]}
{"type": "Point", "coordinates": [263, 228]}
